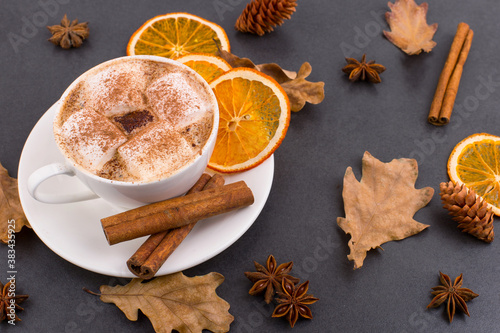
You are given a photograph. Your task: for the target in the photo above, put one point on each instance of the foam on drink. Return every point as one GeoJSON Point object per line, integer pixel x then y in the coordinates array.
{"type": "Point", "coordinates": [135, 120]}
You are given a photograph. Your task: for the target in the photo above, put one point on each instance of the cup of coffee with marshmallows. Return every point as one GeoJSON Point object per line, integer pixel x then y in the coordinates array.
{"type": "Point", "coordinates": [134, 130]}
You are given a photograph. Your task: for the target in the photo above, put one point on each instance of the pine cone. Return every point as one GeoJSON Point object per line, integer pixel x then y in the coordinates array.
{"type": "Point", "coordinates": [260, 16]}
{"type": "Point", "coordinates": [470, 211]}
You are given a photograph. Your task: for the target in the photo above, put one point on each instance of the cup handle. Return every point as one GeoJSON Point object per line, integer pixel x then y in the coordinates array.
{"type": "Point", "coordinates": [42, 174]}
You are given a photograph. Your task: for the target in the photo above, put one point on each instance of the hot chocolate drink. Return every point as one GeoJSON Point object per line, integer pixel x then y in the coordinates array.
{"type": "Point", "coordinates": [136, 120]}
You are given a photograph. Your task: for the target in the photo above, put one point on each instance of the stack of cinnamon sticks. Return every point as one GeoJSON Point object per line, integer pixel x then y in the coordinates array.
{"type": "Point", "coordinates": [169, 222]}
{"type": "Point", "coordinates": [449, 80]}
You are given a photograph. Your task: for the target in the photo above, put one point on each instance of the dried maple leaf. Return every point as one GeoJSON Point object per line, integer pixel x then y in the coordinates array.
{"type": "Point", "coordinates": [11, 211]}
{"type": "Point", "coordinates": [409, 29]}
{"type": "Point", "coordinates": [173, 302]}
{"type": "Point", "coordinates": [381, 206]}
{"type": "Point", "coordinates": [295, 85]}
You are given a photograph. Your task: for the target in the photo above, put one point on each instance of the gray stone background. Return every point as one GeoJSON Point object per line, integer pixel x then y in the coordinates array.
{"type": "Point", "coordinates": [298, 223]}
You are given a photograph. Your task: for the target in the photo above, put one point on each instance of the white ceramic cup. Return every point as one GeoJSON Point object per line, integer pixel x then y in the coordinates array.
{"type": "Point", "coordinates": [119, 193]}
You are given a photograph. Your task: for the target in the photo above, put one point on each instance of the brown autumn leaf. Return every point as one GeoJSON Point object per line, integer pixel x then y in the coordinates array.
{"type": "Point", "coordinates": [295, 85]}
{"type": "Point", "coordinates": [409, 29]}
{"type": "Point", "coordinates": [11, 211]}
{"type": "Point", "coordinates": [173, 302]}
{"type": "Point", "coordinates": [381, 206]}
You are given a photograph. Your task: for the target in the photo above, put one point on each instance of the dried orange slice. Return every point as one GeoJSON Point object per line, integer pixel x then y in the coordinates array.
{"type": "Point", "coordinates": [475, 162]}
{"type": "Point", "coordinates": [208, 66]}
{"type": "Point", "coordinates": [254, 116]}
{"type": "Point", "coordinates": [175, 34]}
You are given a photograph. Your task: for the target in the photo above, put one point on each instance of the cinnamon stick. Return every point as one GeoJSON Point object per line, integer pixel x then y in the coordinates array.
{"type": "Point", "coordinates": [154, 218]}
{"type": "Point", "coordinates": [148, 247]}
{"type": "Point", "coordinates": [153, 253]}
{"type": "Point", "coordinates": [449, 80]}
{"type": "Point", "coordinates": [452, 88]}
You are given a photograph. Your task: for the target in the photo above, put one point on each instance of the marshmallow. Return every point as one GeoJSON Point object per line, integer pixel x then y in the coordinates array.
{"type": "Point", "coordinates": [117, 90]}
{"type": "Point", "coordinates": [155, 152]}
{"type": "Point", "coordinates": [175, 98]}
{"type": "Point", "coordinates": [90, 138]}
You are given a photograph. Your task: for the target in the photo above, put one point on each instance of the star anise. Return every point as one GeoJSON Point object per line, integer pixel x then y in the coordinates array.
{"type": "Point", "coordinates": [269, 278]}
{"type": "Point", "coordinates": [363, 70]}
{"type": "Point", "coordinates": [293, 302]}
{"type": "Point", "coordinates": [9, 297]}
{"type": "Point", "coordinates": [68, 34]}
{"type": "Point", "coordinates": [455, 294]}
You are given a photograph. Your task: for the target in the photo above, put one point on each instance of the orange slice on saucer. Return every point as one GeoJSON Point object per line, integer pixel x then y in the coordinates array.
{"type": "Point", "coordinates": [254, 117]}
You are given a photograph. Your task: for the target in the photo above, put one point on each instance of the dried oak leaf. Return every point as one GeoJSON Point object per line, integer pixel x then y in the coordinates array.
{"type": "Point", "coordinates": [409, 29]}
{"type": "Point", "coordinates": [295, 85]}
{"type": "Point", "coordinates": [381, 206]}
{"type": "Point", "coordinates": [10, 206]}
{"type": "Point", "coordinates": [173, 302]}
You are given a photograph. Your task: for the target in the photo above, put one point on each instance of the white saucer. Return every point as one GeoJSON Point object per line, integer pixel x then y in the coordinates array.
{"type": "Point", "coordinates": [74, 231]}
